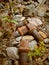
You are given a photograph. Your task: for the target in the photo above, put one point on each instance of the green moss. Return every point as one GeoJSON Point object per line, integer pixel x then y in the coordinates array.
{"type": "Point", "coordinates": [6, 18]}
{"type": "Point", "coordinates": [39, 50]}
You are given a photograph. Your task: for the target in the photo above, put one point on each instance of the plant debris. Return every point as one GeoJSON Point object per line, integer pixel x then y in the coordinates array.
{"type": "Point", "coordinates": [24, 32]}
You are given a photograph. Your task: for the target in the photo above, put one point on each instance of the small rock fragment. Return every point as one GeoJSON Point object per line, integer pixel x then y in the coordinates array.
{"type": "Point", "coordinates": [12, 52]}
{"type": "Point", "coordinates": [30, 26]}
{"type": "Point", "coordinates": [18, 18]}
{"type": "Point", "coordinates": [32, 45]}
{"type": "Point", "coordinates": [18, 39]}
{"type": "Point", "coordinates": [14, 43]}
{"type": "Point", "coordinates": [46, 40]}
{"type": "Point", "coordinates": [36, 35]}
{"type": "Point", "coordinates": [35, 21]}
{"type": "Point", "coordinates": [28, 37]}
{"type": "Point", "coordinates": [42, 34]}
{"type": "Point", "coordinates": [16, 34]}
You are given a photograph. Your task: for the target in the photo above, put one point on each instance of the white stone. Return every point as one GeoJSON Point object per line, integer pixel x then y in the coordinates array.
{"type": "Point", "coordinates": [18, 39]}
{"type": "Point", "coordinates": [18, 17]}
{"type": "Point", "coordinates": [12, 52]}
{"type": "Point", "coordinates": [35, 21]}
{"type": "Point", "coordinates": [32, 45]}
{"type": "Point", "coordinates": [46, 40]}
{"type": "Point", "coordinates": [28, 37]}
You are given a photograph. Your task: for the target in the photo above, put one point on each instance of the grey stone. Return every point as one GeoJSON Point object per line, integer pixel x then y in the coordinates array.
{"type": "Point", "coordinates": [18, 18]}
{"type": "Point", "coordinates": [46, 40]}
{"type": "Point", "coordinates": [35, 21]}
{"type": "Point", "coordinates": [14, 43]}
{"type": "Point", "coordinates": [32, 45]}
{"type": "Point", "coordinates": [16, 34]}
{"type": "Point", "coordinates": [12, 52]}
{"type": "Point", "coordinates": [36, 35]}
{"type": "Point", "coordinates": [18, 39]}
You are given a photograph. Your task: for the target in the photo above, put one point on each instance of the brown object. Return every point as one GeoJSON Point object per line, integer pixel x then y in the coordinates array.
{"type": "Point", "coordinates": [30, 26]}
{"type": "Point", "coordinates": [23, 59]}
{"type": "Point", "coordinates": [23, 30]}
{"type": "Point", "coordinates": [36, 35]}
{"type": "Point", "coordinates": [42, 34]}
{"type": "Point", "coordinates": [24, 46]}
{"type": "Point", "coordinates": [23, 51]}
{"type": "Point", "coordinates": [1, 0]}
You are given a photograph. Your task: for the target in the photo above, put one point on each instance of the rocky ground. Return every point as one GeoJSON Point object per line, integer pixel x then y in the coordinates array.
{"type": "Point", "coordinates": [24, 32]}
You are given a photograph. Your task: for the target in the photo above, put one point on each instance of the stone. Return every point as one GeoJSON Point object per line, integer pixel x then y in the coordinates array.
{"type": "Point", "coordinates": [32, 45]}
{"type": "Point", "coordinates": [30, 26]}
{"type": "Point", "coordinates": [36, 35]}
{"type": "Point", "coordinates": [14, 43]}
{"type": "Point", "coordinates": [30, 20]}
{"type": "Point", "coordinates": [23, 30]}
{"type": "Point", "coordinates": [20, 24]}
{"type": "Point", "coordinates": [42, 34]}
{"type": "Point", "coordinates": [16, 34]}
{"type": "Point", "coordinates": [12, 52]}
{"type": "Point", "coordinates": [35, 21]}
{"type": "Point", "coordinates": [28, 37]}
{"type": "Point", "coordinates": [46, 40]}
{"type": "Point", "coordinates": [18, 39]}
{"type": "Point", "coordinates": [18, 18]}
